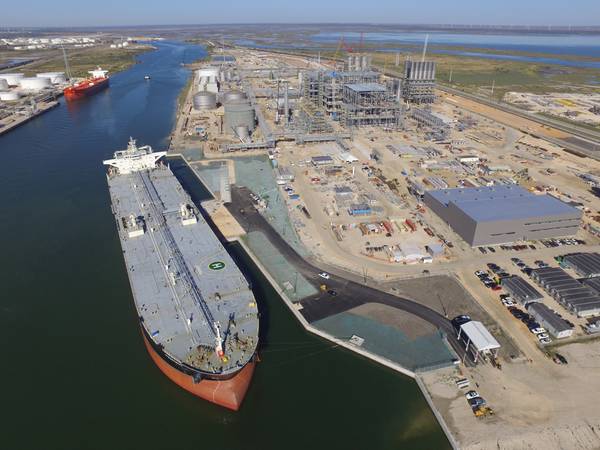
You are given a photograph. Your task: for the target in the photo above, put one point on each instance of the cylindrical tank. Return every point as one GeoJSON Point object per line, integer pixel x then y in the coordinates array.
{"type": "Point", "coordinates": [233, 97]}
{"type": "Point", "coordinates": [34, 83]}
{"type": "Point", "coordinates": [242, 132]}
{"type": "Point", "coordinates": [238, 114]}
{"type": "Point", "coordinates": [365, 62]}
{"type": "Point", "coordinates": [204, 100]}
{"type": "Point", "coordinates": [55, 77]}
{"type": "Point", "coordinates": [3, 84]}
{"type": "Point", "coordinates": [12, 78]}
{"type": "Point", "coordinates": [9, 96]}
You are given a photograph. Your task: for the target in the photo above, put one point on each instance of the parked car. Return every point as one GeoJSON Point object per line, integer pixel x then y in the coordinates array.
{"type": "Point", "coordinates": [471, 394]}
{"type": "Point", "coordinates": [324, 275]}
{"type": "Point", "coordinates": [545, 341]}
{"type": "Point", "coordinates": [492, 249]}
{"type": "Point", "coordinates": [480, 273]}
{"type": "Point", "coordinates": [459, 320]}
{"type": "Point", "coordinates": [508, 303]}
{"type": "Point", "coordinates": [560, 359]}
{"type": "Point", "coordinates": [332, 292]}
{"type": "Point", "coordinates": [476, 402]}
{"type": "Point", "coordinates": [543, 336]}
{"type": "Point", "coordinates": [482, 250]}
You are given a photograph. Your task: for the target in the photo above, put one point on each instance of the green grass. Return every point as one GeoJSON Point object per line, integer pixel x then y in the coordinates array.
{"type": "Point", "coordinates": [81, 61]}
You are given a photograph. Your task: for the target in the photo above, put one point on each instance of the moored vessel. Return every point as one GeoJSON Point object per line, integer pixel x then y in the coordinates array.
{"type": "Point", "coordinates": [99, 80]}
{"type": "Point", "coordinates": [197, 312]}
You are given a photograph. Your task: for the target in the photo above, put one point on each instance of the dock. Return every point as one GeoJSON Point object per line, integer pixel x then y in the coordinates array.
{"type": "Point", "coordinates": [16, 120]}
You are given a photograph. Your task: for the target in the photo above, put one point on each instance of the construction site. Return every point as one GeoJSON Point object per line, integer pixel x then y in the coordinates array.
{"type": "Point", "coordinates": [340, 159]}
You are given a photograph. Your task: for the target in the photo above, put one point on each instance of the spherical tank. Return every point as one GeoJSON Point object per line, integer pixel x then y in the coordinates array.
{"type": "Point", "coordinates": [12, 78]}
{"type": "Point", "coordinates": [238, 114]}
{"type": "Point", "coordinates": [9, 96]}
{"type": "Point", "coordinates": [3, 84]}
{"type": "Point", "coordinates": [204, 100]}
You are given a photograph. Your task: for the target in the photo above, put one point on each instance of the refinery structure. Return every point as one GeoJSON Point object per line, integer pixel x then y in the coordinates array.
{"type": "Point", "coordinates": [237, 107]}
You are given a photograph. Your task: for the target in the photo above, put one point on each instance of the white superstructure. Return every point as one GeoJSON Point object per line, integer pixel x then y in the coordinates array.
{"type": "Point", "coordinates": [134, 158]}
{"type": "Point", "coordinates": [98, 73]}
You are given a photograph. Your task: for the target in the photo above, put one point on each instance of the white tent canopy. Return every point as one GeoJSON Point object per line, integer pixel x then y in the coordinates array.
{"type": "Point", "coordinates": [477, 336]}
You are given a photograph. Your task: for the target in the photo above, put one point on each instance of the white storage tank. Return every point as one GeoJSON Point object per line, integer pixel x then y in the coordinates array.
{"type": "Point", "coordinates": [55, 77]}
{"type": "Point", "coordinates": [209, 72]}
{"type": "Point", "coordinates": [12, 78]}
{"type": "Point", "coordinates": [34, 83]}
{"type": "Point", "coordinates": [233, 96]}
{"type": "Point", "coordinates": [3, 84]}
{"type": "Point", "coordinates": [239, 114]}
{"type": "Point", "coordinates": [204, 100]}
{"type": "Point", "coordinates": [9, 96]}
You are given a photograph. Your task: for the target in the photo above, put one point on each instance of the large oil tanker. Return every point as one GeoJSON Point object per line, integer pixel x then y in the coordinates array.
{"type": "Point", "coordinates": [99, 80]}
{"type": "Point", "coordinates": [197, 312]}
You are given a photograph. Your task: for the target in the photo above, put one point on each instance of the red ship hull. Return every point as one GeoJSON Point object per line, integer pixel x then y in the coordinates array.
{"type": "Point", "coordinates": [86, 88]}
{"type": "Point", "coordinates": [227, 393]}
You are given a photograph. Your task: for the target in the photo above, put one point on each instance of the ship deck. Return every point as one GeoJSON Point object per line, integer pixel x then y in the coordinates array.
{"type": "Point", "coordinates": [182, 278]}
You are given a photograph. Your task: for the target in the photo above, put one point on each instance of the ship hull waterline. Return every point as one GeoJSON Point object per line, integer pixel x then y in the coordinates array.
{"type": "Point", "coordinates": [79, 92]}
{"type": "Point", "coordinates": [227, 393]}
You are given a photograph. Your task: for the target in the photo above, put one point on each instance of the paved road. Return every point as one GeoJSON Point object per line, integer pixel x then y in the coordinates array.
{"type": "Point", "coordinates": [349, 293]}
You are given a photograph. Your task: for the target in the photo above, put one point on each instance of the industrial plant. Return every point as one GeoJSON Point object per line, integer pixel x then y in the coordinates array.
{"type": "Point", "coordinates": [22, 98]}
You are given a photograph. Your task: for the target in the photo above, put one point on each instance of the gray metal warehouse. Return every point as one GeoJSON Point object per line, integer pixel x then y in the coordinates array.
{"type": "Point", "coordinates": [521, 290]}
{"type": "Point", "coordinates": [586, 265]}
{"type": "Point", "coordinates": [502, 214]}
{"type": "Point", "coordinates": [579, 298]}
{"type": "Point", "coordinates": [547, 318]}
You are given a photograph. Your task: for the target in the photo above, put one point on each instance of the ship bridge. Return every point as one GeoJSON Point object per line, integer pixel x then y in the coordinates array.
{"type": "Point", "coordinates": [134, 158]}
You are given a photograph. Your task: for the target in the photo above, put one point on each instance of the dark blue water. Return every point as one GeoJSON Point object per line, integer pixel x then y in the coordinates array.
{"type": "Point", "coordinates": [75, 373]}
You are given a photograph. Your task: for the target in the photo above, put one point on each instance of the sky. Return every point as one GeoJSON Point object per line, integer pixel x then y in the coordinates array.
{"type": "Point", "coordinates": [34, 13]}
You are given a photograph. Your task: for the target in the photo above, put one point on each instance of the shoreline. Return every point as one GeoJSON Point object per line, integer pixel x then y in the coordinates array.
{"type": "Point", "coordinates": [322, 334]}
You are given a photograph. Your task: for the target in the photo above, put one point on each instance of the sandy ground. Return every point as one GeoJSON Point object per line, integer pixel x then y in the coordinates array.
{"type": "Point", "coordinates": [225, 222]}
{"type": "Point", "coordinates": [503, 117]}
{"type": "Point", "coordinates": [537, 405]}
